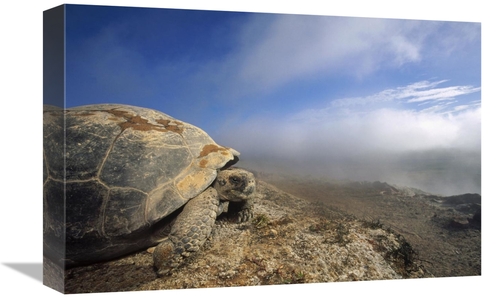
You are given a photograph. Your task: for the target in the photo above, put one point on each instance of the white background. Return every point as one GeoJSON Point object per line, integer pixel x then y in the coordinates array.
{"type": "Point", "coordinates": [21, 146]}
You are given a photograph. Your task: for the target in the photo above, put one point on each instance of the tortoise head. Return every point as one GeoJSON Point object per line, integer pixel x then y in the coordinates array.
{"type": "Point", "coordinates": [235, 185]}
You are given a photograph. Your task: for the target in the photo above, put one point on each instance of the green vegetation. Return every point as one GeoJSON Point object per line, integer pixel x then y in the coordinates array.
{"type": "Point", "coordinates": [372, 224]}
{"type": "Point", "coordinates": [339, 230]}
{"type": "Point", "coordinates": [342, 234]}
{"type": "Point", "coordinates": [260, 221]}
{"type": "Point", "coordinates": [323, 225]}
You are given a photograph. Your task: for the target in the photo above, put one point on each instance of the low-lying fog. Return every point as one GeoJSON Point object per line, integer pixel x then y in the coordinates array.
{"type": "Point", "coordinates": [437, 153]}
{"type": "Point", "coordinates": [439, 172]}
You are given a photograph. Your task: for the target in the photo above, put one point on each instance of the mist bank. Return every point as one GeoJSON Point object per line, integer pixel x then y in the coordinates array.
{"type": "Point", "coordinates": [435, 152]}
{"type": "Point", "coordinates": [442, 172]}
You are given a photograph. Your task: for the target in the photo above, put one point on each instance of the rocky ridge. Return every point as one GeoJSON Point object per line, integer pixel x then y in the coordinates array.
{"type": "Point", "coordinates": [290, 240]}
{"type": "Point", "coordinates": [444, 230]}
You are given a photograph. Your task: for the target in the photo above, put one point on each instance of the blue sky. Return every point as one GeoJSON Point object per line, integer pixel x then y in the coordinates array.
{"type": "Point", "coordinates": [358, 98]}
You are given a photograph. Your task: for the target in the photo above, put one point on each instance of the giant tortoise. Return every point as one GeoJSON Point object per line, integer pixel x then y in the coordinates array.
{"type": "Point", "coordinates": [118, 179]}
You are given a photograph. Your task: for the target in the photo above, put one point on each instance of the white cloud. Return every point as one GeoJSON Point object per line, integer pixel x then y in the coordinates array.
{"type": "Point", "coordinates": [296, 46]}
{"type": "Point", "coordinates": [443, 125]}
{"type": "Point", "coordinates": [373, 144]}
{"type": "Point", "coordinates": [419, 92]}
{"type": "Point", "coordinates": [280, 49]}
{"type": "Point", "coordinates": [381, 130]}
{"type": "Point", "coordinates": [438, 94]}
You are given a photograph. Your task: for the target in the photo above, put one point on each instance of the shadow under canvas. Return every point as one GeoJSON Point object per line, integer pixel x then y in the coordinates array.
{"type": "Point", "coordinates": [33, 270]}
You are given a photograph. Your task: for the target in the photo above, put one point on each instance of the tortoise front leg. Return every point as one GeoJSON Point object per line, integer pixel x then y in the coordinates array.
{"type": "Point", "coordinates": [189, 232]}
{"type": "Point", "coordinates": [244, 210]}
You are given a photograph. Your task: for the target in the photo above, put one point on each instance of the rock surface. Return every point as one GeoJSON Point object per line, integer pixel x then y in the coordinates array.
{"type": "Point", "coordinates": [290, 240]}
{"type": "Point", "coordinates": [444, 230]}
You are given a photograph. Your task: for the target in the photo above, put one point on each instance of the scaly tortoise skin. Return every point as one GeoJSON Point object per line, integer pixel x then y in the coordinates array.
{"type": "Point", "coordinates": [122, 178]}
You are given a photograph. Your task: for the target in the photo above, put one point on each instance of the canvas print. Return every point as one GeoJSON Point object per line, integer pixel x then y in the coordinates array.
{"type": "Point", "coordinates": [201, 149]}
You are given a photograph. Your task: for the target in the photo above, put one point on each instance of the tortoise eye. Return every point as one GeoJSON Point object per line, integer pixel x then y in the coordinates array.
{"type": "Point", "coordinates": [235, 179]}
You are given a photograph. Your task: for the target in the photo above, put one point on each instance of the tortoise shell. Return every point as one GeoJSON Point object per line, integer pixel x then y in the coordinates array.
{"type": "Point", "coordinates": [112, 172]}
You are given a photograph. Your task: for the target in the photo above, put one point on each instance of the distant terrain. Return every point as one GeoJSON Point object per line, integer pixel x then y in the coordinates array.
{"type": "Point", "coordinates": [444, 230]}
{"type": "Point", "coordinates": [307, 231]}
